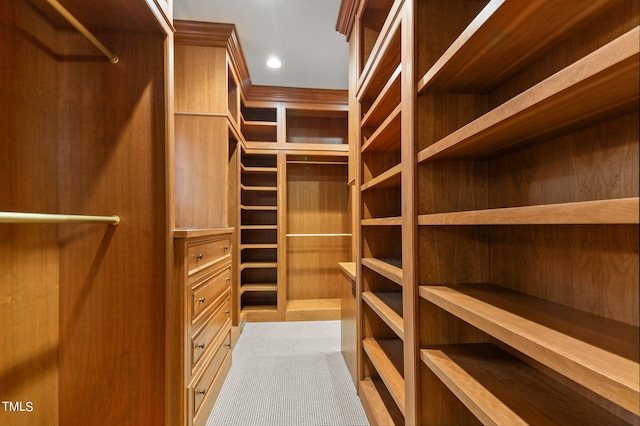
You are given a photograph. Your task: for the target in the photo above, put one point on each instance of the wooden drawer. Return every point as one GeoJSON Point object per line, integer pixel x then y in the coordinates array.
{"type": "Point", "coordinates": [201, 389]}
{"type": "Point", "coordinates": [201, 340]}
{"type": "Point", "coordinates": [206, 292]}
{"type": "Point", "coordinates": [202, 255]}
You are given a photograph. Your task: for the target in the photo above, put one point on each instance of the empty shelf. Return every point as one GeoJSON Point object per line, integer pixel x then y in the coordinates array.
{"type": "Point", "coordinates": [598, 353]}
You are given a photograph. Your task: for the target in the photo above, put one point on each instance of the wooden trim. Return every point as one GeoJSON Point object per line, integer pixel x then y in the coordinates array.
{"type": "Point", "coordinates": [346, 17]}
{"type": "Point", "coordinates": [297, 94]}
{"type": "Point", "coordinates": [215, 35]}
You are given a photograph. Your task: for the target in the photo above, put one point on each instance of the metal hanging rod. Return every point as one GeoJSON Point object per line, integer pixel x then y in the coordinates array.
{"type": "Point", "coordinates": [12, 217]}
{"type": "Point", "coordinates": [318, 235]}
{"type": "Point", "coordinates": [84, 31]}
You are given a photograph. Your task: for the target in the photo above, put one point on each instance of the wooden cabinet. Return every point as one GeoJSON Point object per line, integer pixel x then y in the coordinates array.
{"type": "Point", "coordinates": [511, 167]}
{"type": "Point", "coordinates": [200, 343]}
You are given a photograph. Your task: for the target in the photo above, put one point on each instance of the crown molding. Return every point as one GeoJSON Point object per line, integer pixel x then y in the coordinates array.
{"type": "Point", "coordinates": [346, 17]}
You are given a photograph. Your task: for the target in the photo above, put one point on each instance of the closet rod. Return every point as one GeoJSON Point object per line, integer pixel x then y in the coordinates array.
{"type": "Point", "coordinates": [12, 217]}
{"type": "Point", "coordinates": [318, 235]}
{"type": "Point", "coordinates": [83, 30]}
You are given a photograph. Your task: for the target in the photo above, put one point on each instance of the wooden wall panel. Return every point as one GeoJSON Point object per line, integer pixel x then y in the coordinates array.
{"type": "Point", "coordinates": [592, 268]}
{"type": "Point", "coordinates": [202, 145]}
{"type": "Point", "coordinates": [112, 279]}
{"type": "Point", "coordinates": [200, 79]}
{"type": "Point", "coordinates": [28, 253]}
{"type": "Point", "coordinates": [317, 202]}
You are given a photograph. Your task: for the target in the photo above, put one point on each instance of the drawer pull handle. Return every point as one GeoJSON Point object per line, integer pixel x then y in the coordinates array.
{"type": "Point", "coordinates": [199, 256]}
{"type": "Point", "coordinates": [201, 346]}
{"type": "Point", "coordinates": [201, 300]}
{"type": "Point", "coordinates": [227, 312]}
{"type": "Point", "coordinates": [228, 345]}
{"type": "Point", "coordinates": [202, 391]}
{"type": "Point", "coordinates": [225, 248]}
{"type": "Point", "coordinates": [228, 279]}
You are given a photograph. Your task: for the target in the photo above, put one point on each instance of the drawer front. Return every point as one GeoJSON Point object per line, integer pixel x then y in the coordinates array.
{"type": "Point", "coordinates": [205, 293]}
{"type": "Point", "coordinates": [205, 254]}
{"type": "Point", "coordinates": [202, 339]}
{"type": "Point", "coordinates": [200, 390]}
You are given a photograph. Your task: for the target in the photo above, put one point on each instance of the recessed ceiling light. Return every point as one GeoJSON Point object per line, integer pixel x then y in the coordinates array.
{"type": "Point", "coordinates": [274, 62]}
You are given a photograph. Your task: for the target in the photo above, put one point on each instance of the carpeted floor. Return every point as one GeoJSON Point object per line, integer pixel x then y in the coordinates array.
{"type": "Point", "coordinates": [288, 373]}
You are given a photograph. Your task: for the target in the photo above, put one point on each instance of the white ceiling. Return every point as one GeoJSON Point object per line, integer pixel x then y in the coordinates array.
{"type": "Point", "coordinates": [301, 33]}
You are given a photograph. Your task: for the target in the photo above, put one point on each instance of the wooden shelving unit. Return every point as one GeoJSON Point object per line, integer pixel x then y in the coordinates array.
{"type": "Point", "coordinates": [499, 210]}
{"type": "Point", "coordinates": [258, 266]}
{"type": "Point", "coordinates": [527, 212]}
{"type": "Point", "coordinates": [386, 376]}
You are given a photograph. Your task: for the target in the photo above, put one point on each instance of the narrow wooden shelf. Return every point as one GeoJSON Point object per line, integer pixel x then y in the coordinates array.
{"type": "Point", "coordinates": [388, 306]}
{"type": "Point", "coordinates": [601, 83]}
{"type": "Point", "coordinates": [349, 268]}
{"type": "Point", "coordinates": [618, 211]}
{"type": "Point", "coordinates": [373, 395]}
{"type": "Point", "coordinates": [387, 101]}
{"type": "Point", "coordinates": [258, 227]}
{"type": "Point", "coordinates": [469, 65]}
{"type": "Point", "coordinates": [386, 137]}
{"type": "Point", "coordinates": [258, 188]}
{"type": "Point", "coordinates": [259, 131]}
{"type": "Point", "coordinates": [382, 221]}
{"type": "Point", "coordinates": [258, 265]}
{"type": "Point", "coordinates": [389, 268]}
{"type": "Point", "coordinates": [385, 52]}
{"type": "Point", "coordinates": [258, 246]}
{"type": "Point", "coordinates": [259, 208]}
{"type": "Point", "coordinates": [392, 178]}
{"type": "Point", "coordinates": [258, 288]}
{"type": "Point", "coordinates": [595, 352]}
{"type": "Point", "coordinates": [385, 354]}
{"type": "Point", "coordinates": [258, 169]}
{"type": "Point", "coordinates": [500, 389]}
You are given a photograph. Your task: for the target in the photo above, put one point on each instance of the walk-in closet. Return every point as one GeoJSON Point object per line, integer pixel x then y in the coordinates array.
{"type": "Point", "coordinates": [347, 212]}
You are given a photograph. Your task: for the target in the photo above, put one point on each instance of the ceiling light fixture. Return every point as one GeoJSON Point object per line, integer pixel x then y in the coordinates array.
{"type": "Point", "coordinates": [274, 62]}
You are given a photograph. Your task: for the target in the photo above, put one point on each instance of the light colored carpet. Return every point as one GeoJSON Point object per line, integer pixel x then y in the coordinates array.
{"type": "Point", "coordinates": [288, 373]}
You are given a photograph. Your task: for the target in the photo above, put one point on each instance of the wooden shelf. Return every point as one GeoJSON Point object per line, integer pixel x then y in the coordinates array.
{"type": "Point", "coordinates": [385, 354]}
{"type": "Point", "coordinates": [391, 178]}
{"type": "Point", "coordinates": [389, 268]}
{"type": "Point", "coordinates": [385, 52]}
{"type": "Point", "coordinates": [258, 265]}
{"type": "Point", "coordinates": [258, 287]}
{"type": "Point", "coordinates": [382, 221]}
{"type": "Point", "coordinates": [349, 268]}
{"type": "Point", "coordinates": [386, 137]}
{"type": "Point", "coordinates": [374, 396]}
{"type": "Point", "coordinates": [388, 306]}
{"type": "Point", "coordinates": [259, 131]}
{"type": "Point", "coordinates": [259, 188]}
{"type": "Point", "coordinates": [258, 169]}
{"type": "Point", "coordinates": [618, 211]}
{"type": "Point", "coordinates": [259, 208]}
{"type": "Point", "coordinates": [257, 246]}
{"type": "Point", "coordinates": [258, 227]}
{"type": "Point", "coordinates": [469, 65]}
{"type": "Point", "coordinates": [597, 353]}
{"type": "Point", "coordinates": [602, 83]}
{"type": "Point", "coordinates": [387, 101]}
{"type": "Point", "coordinates": [500, 389]}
